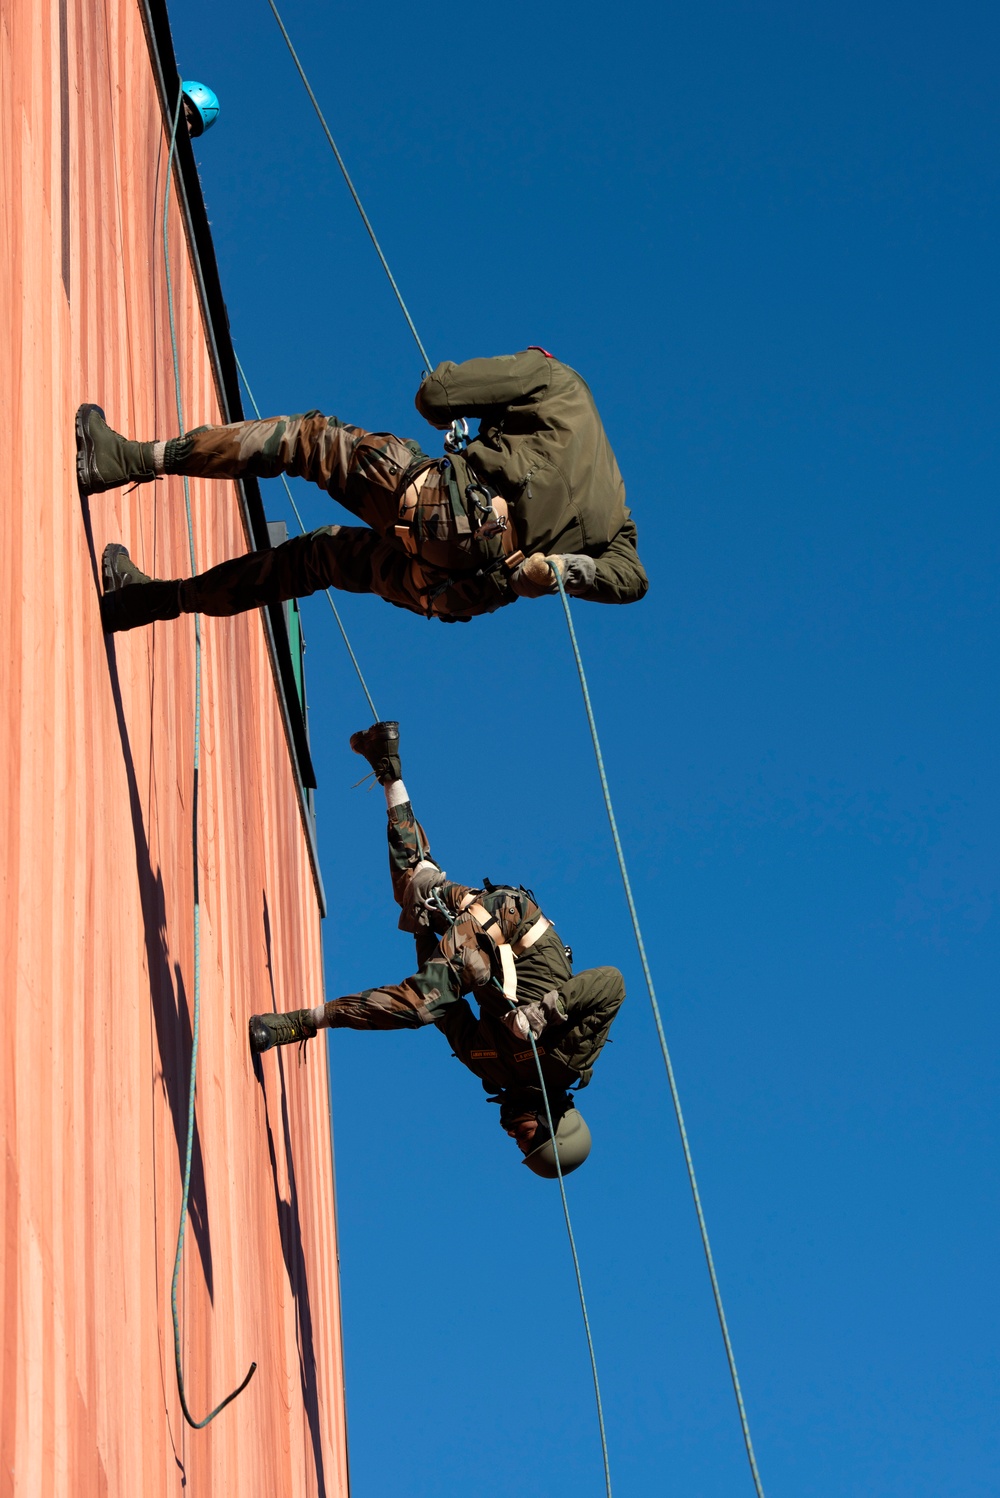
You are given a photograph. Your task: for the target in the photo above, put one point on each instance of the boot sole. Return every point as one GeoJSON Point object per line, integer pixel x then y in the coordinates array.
{"type": "Point", "coordinates": [259, 1036]}
{"type": "Point", "coordinates": [109, 580]}
{"type": "Point", "coordinates": [87, 476]}
{"type": "Point", "coordinates": [387, 739]}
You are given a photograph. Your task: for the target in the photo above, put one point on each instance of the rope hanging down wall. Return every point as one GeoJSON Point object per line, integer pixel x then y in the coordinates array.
{"type": "Point", "coordinates": [196, 1017]}
{"type": "Point", "coordinates": [661, 1035]}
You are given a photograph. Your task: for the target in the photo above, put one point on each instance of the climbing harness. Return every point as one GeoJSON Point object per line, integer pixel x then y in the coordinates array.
{"type": "Point", "coordinates": [196, 1018]}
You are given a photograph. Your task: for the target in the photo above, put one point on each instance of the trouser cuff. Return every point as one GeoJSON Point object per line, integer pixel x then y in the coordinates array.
{"type": "Point", "coordinates": [176, 453]}
{"type": "Point", "coordinates": [139, 604]}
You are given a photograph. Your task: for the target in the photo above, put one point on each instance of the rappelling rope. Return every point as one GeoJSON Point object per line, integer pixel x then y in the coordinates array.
{"type": "Point", "coordinates": [353, 190]}
{"type": "Point", "coordinates": [451, 917]}
{"type": "Point", "coordinates": [671, 1079]}
{"type": "Point", "coordinates": [329, 594]}
{"type": "Point", "coordinates": [576, 1261]}
{"type": "Point", "coordinates": [189, 1146]}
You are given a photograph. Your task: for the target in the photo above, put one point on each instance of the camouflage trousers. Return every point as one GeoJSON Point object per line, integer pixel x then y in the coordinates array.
{"type": "Point", "coordinates": [437, 565]}
{"type": "Point", "coordinates": [451, 964]}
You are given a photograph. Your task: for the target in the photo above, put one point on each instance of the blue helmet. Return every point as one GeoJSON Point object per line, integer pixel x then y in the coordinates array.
{"type": "Point", "coordinates": [203, 110]}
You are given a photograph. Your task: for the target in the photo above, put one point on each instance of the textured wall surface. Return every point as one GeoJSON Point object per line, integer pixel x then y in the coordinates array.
{"type": "Point", "coordinates": [97, 956]}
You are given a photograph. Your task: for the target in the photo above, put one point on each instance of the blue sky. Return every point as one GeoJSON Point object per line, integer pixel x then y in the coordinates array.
{"type": "Point", "coordinates": [766, 235]}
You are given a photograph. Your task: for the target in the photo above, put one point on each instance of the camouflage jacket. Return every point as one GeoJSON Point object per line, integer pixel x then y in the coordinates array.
{"type": "Point", "coordinates": [541, 446]}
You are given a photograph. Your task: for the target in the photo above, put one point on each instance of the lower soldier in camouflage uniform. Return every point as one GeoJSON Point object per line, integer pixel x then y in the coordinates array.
{"type": "Point", "coordinates": [496, 944]}
{"type": "Point", "coordinates": [448, 538]}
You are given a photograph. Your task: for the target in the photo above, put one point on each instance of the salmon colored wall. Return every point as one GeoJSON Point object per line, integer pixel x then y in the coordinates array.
{"type": "Point", "coordinates": [97, 962]}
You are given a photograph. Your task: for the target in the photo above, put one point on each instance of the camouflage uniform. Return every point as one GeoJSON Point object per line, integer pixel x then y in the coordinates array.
{"type": "Point", "coordinates": [441, 563]}
{"type": "Point", "coordinates": [541, 448]}
{"type": "Point", "coordinates": [463, 960]}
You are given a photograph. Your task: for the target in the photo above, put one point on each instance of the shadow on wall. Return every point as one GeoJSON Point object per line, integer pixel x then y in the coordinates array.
{"type": "Point", "coordinates": [168, 995]}
{"type": "Point", "coordinates": [291, 1237]}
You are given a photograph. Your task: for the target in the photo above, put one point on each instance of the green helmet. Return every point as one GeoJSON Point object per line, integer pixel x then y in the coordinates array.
{"type": "Point", "coordinates": [573, 1141]}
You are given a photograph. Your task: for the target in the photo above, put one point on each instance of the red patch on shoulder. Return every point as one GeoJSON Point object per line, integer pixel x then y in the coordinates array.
{"type": "Point", "coordinates": [541, 350]}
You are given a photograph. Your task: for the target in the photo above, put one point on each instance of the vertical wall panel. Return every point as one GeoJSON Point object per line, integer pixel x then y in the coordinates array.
{"type": "Point", "coordinates": [96, 875]}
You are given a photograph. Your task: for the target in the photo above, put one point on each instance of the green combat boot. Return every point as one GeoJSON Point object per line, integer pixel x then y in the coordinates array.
{"type": "Point", "coordinates": [118, 569]}
{"type": "Point", "coordinates": [105, 459]}
{"type": "Point", "coordinates": [130, 597]}
{"type": "Point", "coordinates": [379, 745]}
{"type": "Point", "coordinates": [267, 1030]}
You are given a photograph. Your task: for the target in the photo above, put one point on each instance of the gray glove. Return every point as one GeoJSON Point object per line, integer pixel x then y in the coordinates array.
{"type": "Point", "coordinates": [533, 577]}
{"type": "Point", "coordinates": [425, 877]}
{"type": "Point", "coordinates": [578, 572]}
{"type": "Point", "coordinates": [533, 1017]}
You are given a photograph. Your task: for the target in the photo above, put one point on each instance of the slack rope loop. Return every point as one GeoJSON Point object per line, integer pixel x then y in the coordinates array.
{"type": "Point", "coordinates": [353, 191]}
{"type": "Point", "coordinates": [674, 1093]}
{"type": "Point", "coordinates": [329, 593]}
{"type": "Point", "coordinates": [195, 1027]}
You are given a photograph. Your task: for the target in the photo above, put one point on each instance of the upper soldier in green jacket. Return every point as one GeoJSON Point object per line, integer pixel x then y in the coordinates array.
{"type": "Point", "coordinates": [492, 942]}
{"type": "Point", "coordinates": [537, 488]}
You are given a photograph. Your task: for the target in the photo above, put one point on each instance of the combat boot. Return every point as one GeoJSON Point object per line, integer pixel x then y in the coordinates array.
{"type": "Point", "coordinates": [104, 458]}
{"type": "Point", "coordinates": [379, 745]}
{"type": "Point", "coordinates": [130, 597]}
{"type": "Point", "coordinates": [268, 1030]}
{"type": "Point", "coordinates": [118, 569]}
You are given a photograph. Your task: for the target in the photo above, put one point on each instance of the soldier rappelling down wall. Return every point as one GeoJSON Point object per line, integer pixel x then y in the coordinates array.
{"type": "Point", "coordinates": [449, 537]}
{"type": "Point", "coordinates": [492, 942]}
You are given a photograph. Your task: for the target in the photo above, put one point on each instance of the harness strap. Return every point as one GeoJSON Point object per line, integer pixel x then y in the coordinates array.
{"type": "Point", "coordinates": [535, 930]}
{"type": "Point", "coordinates": [494, 520]}
{"type": "Point", "coordinates": [409, 500]}
{"type": "Point", "coordinates": [485, 920]}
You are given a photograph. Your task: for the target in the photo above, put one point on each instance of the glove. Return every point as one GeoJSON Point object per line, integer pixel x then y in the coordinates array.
{"type": "Point", "coordinates": [425, 877]}
{"type": "Point", "coordinates": [532, 1018]}
{"type": "Point", "coordinates": [525, 1020]}
{"type": "Point", "coordinates": [533, 577]}
{"type": "Point", "coordinates": [577, 571]}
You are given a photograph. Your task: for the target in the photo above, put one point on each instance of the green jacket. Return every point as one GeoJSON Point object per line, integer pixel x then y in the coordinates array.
{"type": "Point", "coordinates": [541, 446]}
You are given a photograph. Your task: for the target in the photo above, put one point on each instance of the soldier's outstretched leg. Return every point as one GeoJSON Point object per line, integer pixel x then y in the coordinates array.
{"type": "Point", "coordinates": [335, 556]}
{"type": "Point", "coordinates": [365, 471]}
{"type": "Point", "coordinates": [347, 557]}
{"type": "Point", "coordinates": [408, 845]}
{"type": "Point", "coordinates": [416, 878]}
{"type": "Point", "coordinates": [397, 1006]}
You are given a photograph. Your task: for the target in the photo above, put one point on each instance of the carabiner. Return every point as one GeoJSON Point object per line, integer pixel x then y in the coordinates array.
{"type": "Point", "coordinates": [471, 490]}
{"type": "Point", "coordinates": [457, 439]}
